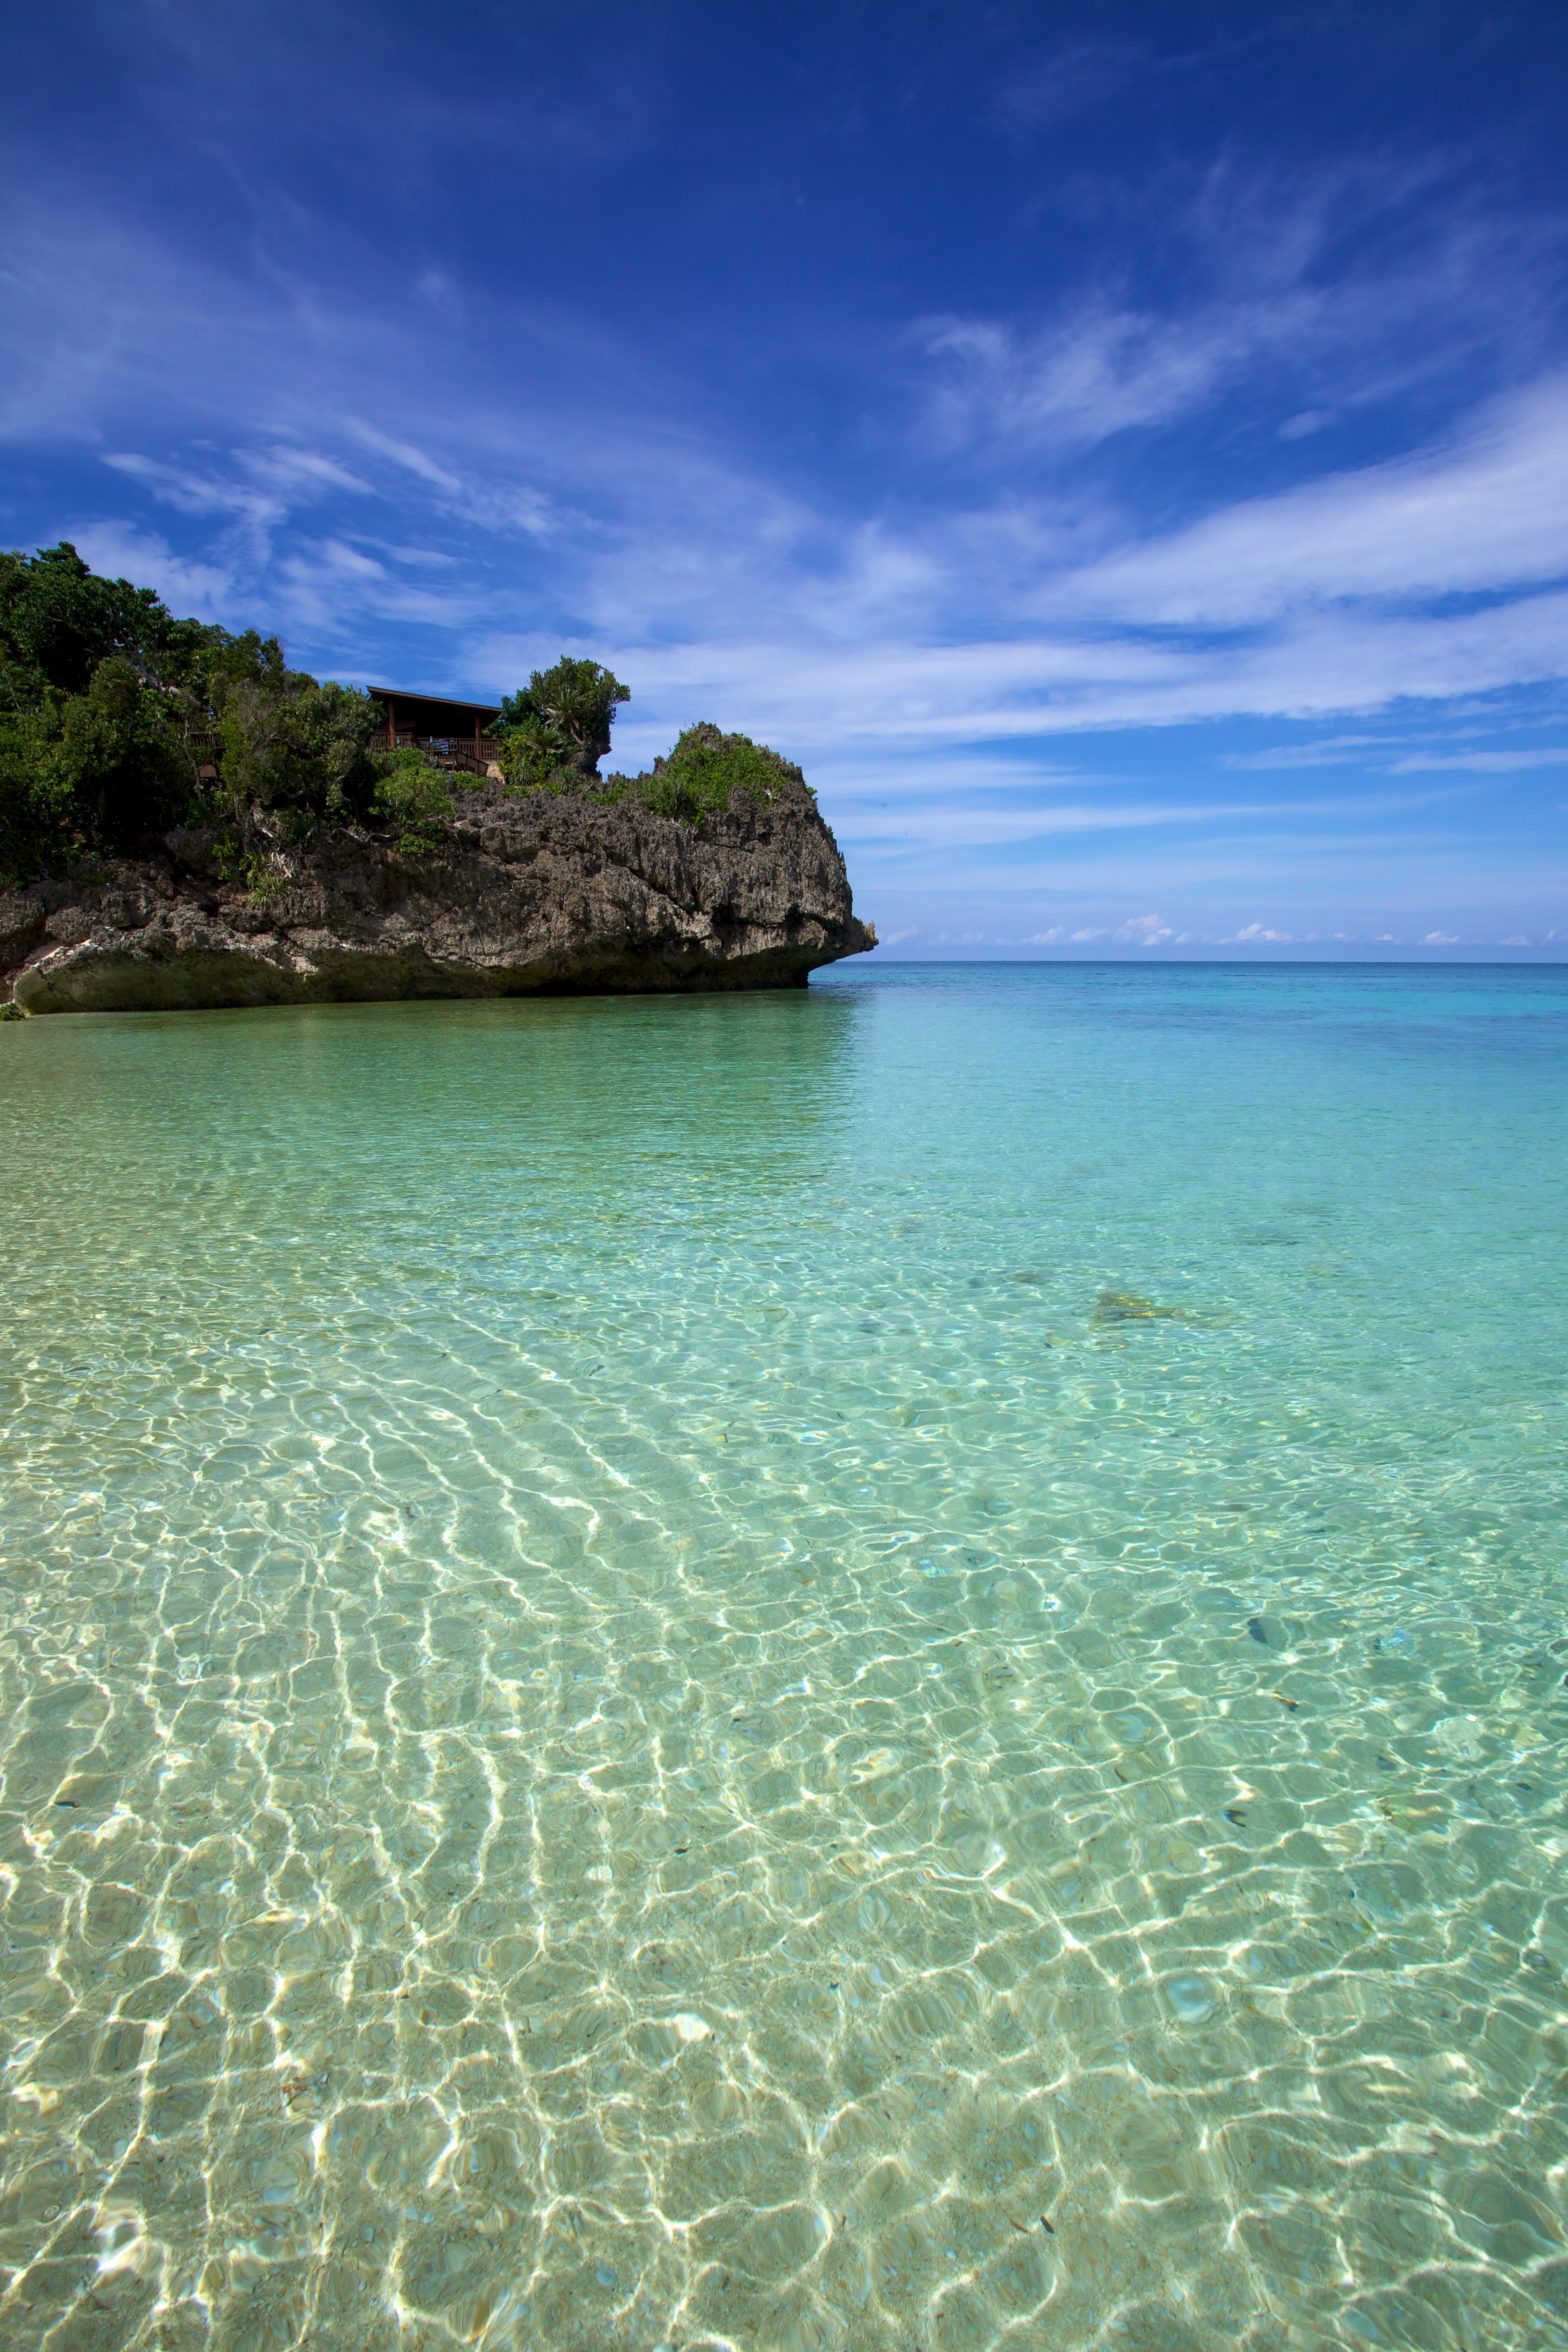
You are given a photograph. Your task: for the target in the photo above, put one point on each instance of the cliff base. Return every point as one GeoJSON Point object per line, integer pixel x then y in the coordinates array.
{"type": "Point", "coordinates": [551, 892]}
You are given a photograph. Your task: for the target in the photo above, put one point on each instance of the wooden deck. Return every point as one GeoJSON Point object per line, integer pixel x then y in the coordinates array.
{"type": "Point", "coordinates": [451, 734]}
{"type": "Point", "coordinates": [469, 755]}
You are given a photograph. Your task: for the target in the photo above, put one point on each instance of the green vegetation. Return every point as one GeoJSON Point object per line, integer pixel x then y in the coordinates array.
{"type": "Point", "coordinates": [704, 772]}
{"type": "Point", "coordinates": [119, 722]}
{"type": "Point", "coordinates": [413, 801]}
{"type": "Point", "coordinates": [556, 729]}
{"type": "Point", "coordinates": [283, 746]}
{"type": "Point", "coordinates": [86, 668]}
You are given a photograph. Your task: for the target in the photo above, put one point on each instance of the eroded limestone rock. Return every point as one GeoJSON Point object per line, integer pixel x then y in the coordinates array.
{"type": "Point", "coordinates": [541, 893]}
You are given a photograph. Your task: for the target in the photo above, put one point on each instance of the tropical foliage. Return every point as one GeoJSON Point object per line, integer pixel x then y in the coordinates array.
{"type": "Point", "coordinates": [119, 722]}
{"type": "Point", "coordinates": [555, 730]}
{"type": "Point", "coordinates": [705, 771]}
{"type": "Point", "coordinates": [413, 800]}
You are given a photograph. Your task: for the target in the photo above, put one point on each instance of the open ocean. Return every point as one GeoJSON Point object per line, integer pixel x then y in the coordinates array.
{"type": "Point", "coordinates": [877, 1670]}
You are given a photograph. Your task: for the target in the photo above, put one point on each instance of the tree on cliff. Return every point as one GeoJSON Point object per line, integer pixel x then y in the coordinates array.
{"type": "Point", "coordinates": [555, 730]}
{"type": "Point", "coordinates": [93, 676]}
{"type": "Point", "coordinates": [285, 746]}
{"type": "Point", "coordinates": [118, 721]}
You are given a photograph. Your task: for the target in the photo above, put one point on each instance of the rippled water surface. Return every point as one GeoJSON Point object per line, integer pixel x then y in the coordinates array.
{"type": "Point", "coordinates": [880, 1669]}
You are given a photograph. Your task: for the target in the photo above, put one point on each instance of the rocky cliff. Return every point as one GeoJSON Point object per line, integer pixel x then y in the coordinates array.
{"type": "Point", "coordinates": [547, 892]}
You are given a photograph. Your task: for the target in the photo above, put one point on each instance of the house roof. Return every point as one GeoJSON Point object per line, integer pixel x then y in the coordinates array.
{"type": "Point", "coordinates": [434, 702]}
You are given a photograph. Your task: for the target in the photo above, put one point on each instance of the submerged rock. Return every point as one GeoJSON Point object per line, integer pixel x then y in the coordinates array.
{"type": "Point", "coordinates": [544, 893]}
{"type": "Point", "coordinates": [1125, 1306]}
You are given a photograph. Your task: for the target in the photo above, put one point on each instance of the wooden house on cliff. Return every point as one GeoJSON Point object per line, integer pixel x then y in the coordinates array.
{"type": "Point", "coordinates": [450, 734]}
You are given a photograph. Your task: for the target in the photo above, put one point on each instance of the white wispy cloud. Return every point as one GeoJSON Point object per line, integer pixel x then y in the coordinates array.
{"type": "Point", "coordinates": [1479, 763]}
{"type": "Point", "coordinates": [955, 823]}
{"type": "Point", "coordinates": [1101, 372]}
{"type": "Point", "coordinates": [1003, 691]}
{"type": "Point", "coordinates": [1070, 78]}
{"type": "Point", "coordinates": [1488, 513]}
{"type": "Point", "coordinates": [1285, 295]}
{"type": "Point", "coordinates": [933, 653]}
{"type": "Point", "coordinates": [196, 491]}
{"type": "Point", "coordinates": [403, 453]}
{"type": "Point", "coordinates": [895, 630]}
{"type": "Point", "coordinates": [1392, 754]}
{"type": "Point", "coordinates": [290, 468]}
{"type": "Point", "coordinates": [123, 552]}
{"type": "Point", "coordinates": [1329, 751]}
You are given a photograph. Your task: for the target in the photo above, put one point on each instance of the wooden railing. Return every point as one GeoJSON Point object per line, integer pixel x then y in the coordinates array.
{"type": "Point", "coordinates": [471, 755]}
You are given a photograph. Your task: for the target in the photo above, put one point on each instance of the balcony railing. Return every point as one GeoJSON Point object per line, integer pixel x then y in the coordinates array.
{"type": "Point", "coordinates": [471, 755]}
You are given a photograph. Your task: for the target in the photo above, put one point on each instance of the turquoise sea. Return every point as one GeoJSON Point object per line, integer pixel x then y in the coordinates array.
{"type": "Point", "coordinates": [876, 1670]}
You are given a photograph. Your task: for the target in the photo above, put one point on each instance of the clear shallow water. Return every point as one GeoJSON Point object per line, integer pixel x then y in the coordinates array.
{"type": "Point", "coordinates": [634, 1712]}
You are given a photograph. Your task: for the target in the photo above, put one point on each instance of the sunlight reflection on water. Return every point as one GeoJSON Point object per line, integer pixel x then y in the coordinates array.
{"type": "Point", "coordinates": [630, 1715]}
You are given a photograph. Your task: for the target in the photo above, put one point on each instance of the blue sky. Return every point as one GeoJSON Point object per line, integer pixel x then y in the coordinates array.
{"type": "Point", "coordinates": [1121, 451]}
